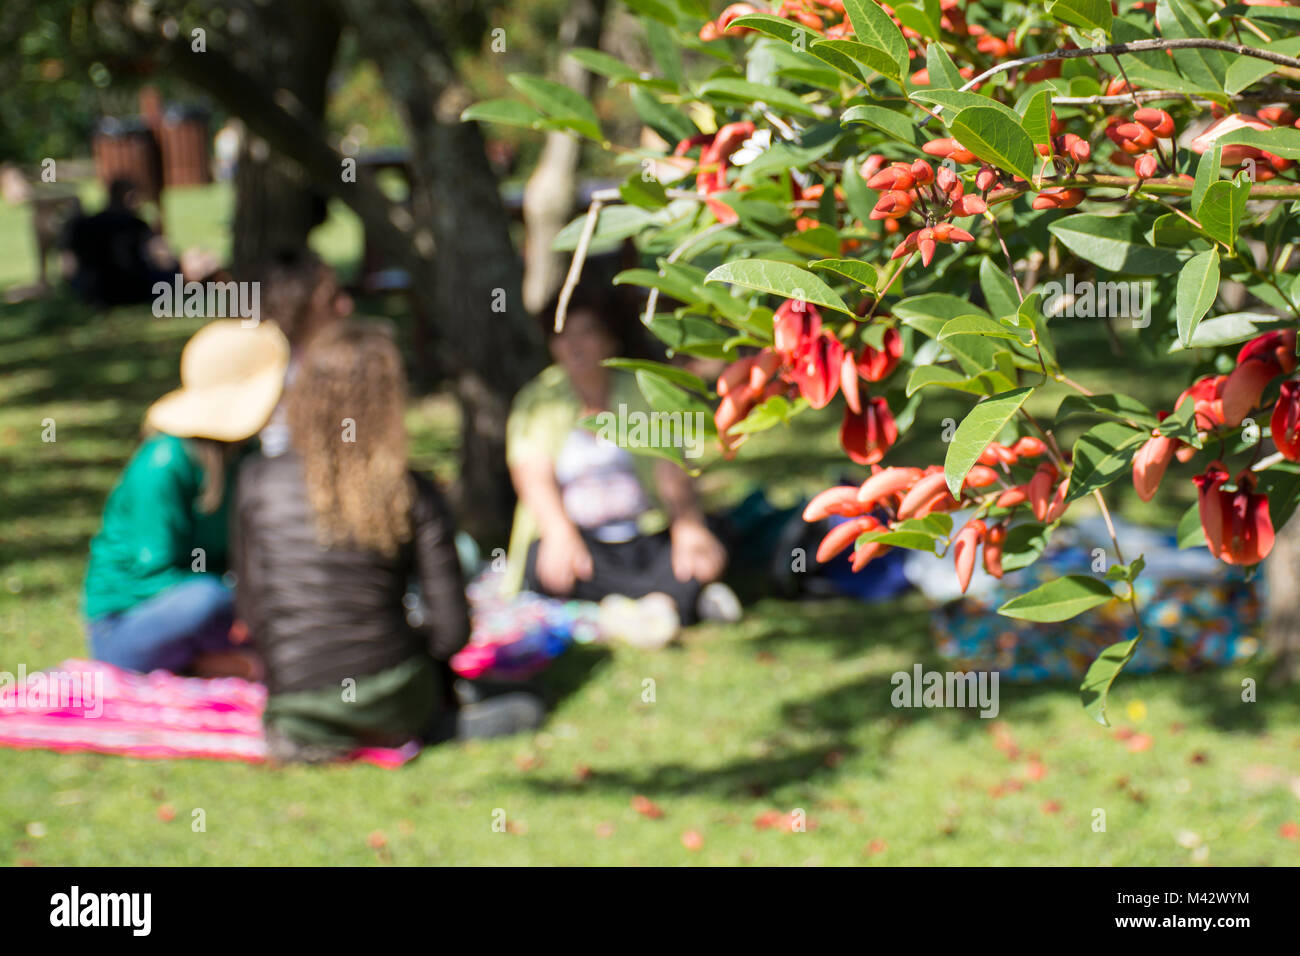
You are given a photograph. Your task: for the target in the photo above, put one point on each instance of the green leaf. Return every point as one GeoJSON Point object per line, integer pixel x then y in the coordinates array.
{"type": "Point", "coordinates": [1087, 14]}
{"type": "Point", "coordinates": [1222, 209]}
{"type": "Point", "coordinates": [989, 382]}
{"type": "Point", "coordinates": [859, 198]}
{"type": "Point", "coordinates": [670, 123]}
{"type": "Point", "coordinates": [1118, 408]}
{"type": "Point", "coordinates": [779, 278]}
{"type": "Point", "coordinates": [602, 64]}
{"type": "Point", "coordinates": [1102, 454]}
{"type": "Point", "coordinates": [1126, 572]}
{"type": "Point", "coordinates": [918, 19]}
{"type": "Point", "coordinates": [1198, 287]}
{"type": "Point", "coordinates": [691, 335]}
{"type": "Point", "coordinates": [1115, 243]}
{"type": "Point", "coordinates": [916, 534]}
{"type": "Point", "coordinates": [999, 291]}
{"type": "Point", "coordinates": [954, 101]}
{"type": "Point", "coordinates": [1190, 534]}
{"type": "Point", "coordinates": [1284, 141]}
{"type": "Point", "coordinates": [503, 111]}
{"type": "Point", "coordinates": [1177, 18]}
{"type": "Point", "coordinates": [777, 27]}
{"type": "Point", "coordinates": [777, 410]}
{"type": "Point", "coordinates": [1058, 600]}
{"type": "Point", "coordinates": [665, 49]}
{"type": "Point", "coordinates": [890, 122]}
{"type": "Point", "coordinates": [654, 10]}
{"type": "Point", "coordinates": [873, 27]}
{"type": "Point", "coordinates": [860, 272]}
{"type": "Point", "coordinates": [678, 376]}
{"type": "Point", "coordinates": [941, 68]}
{"type": "Point", "coordinates": [993, 138]}
{"type": "Point", "coordinates": [976, 325]}
{"type": "Point", "coordinates": [1037, 116]}
{"type": "Point", "coordinates": [1024, 543]}
{"type": "Point", "coordinates": [663, 396]}
{"type": "Point", "coordinates": [1101, 674]}
{"type": "Point", "coordinates": [1229, 329]}
{"type": "Point", "coordinates": [638, 191]}
{"type": "Point", "coordinates": [560, 103]}
{"type": "Point", "coordinates": [614, 223]}
{"type": "Point", "coordinates": [1207, 171]}
{"type": "Point", "coordinates": [822, 241]}
{"type": "Point", "coordinates": [1247, 70]}
{"type": "Point", "coordinates": [980, 426]}
{"type": "Point", "coordinates": [749, 93]}
{"type": "Point", "coordinates": [873, 59]}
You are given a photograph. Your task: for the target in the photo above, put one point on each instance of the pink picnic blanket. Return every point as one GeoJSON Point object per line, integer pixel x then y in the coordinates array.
{"type": "Point", "coordinates": [92, 706]}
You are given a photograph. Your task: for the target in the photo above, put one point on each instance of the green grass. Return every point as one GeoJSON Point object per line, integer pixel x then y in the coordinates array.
{"type": "Point", "coordinates": [787, 710]}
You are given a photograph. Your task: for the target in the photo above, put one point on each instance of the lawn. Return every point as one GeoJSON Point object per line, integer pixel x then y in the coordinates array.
{"type": "Point", "coordinates": [788, 710]}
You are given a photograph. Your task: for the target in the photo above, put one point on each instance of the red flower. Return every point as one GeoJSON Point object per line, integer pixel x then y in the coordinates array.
{"type": "Point", "coordinates": [1237, 525]}
{"type": "Point", "coordinates": [875, 364]}
{"type": "Point", "coordinates": [1207, 393]}
{"type": "Point", "coordinates": [794, 324]}
{"type": "Point", "coordinates": [1286, 421]}
{"type": "Point", "coordinates": [712, 177]}
{"type": "Point", "coordinates": [1150, 463]}
{"type": "Point", "coordinates": [964, 547]}
{"type": "Point", "coordinates": [817, 368]}
{"type": "Point", "coordinates": [868, 434]}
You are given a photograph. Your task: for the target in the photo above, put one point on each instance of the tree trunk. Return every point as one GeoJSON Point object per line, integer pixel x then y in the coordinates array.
{"type": "Point", "coordinates": [551, 191]}
{"type": "Point", "coordinates": [471, 289]}
{"type": "Point", "coordinates": [1282, 626]}
{"type": "Point", "coordinates": [477, 305]}
{"type": "Point", "coordinates": [290, 50]}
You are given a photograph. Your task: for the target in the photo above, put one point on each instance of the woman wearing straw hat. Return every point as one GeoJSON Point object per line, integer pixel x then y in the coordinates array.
{"type": "Point", "coordinates": [154, 597]}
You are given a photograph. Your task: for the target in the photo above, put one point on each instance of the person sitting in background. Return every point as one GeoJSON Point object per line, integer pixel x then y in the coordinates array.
{"type": "Point", "coordinates": [327, 537]}
{"type": "Point", "coordinates": [154, 597]}
{"type": "Point", "coordinates": [301, 295]}
{"type": "Point", "coordinates": [117, 257]}
{"type": "Point", "coordinates": [595, 520]}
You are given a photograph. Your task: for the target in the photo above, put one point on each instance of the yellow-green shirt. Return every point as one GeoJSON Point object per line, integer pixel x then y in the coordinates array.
{"type": "Point", "coordinates": [544, 412]}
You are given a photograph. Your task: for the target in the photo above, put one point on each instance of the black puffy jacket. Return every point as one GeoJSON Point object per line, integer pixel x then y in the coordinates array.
{"type": "Point", "coordinates": [318, 616]}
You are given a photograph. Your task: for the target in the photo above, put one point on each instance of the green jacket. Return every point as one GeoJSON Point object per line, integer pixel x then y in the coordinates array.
{"type": "Point", "coordinates": [151, 529]}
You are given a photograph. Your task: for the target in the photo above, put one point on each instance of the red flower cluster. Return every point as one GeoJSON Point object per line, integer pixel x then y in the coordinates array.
{"type": "Point", "coordinates": [1224, 402]}
{"type": "Point", "coordinates": [942, 195]}
{"type": "Point", "coordinates": [715, 153]}
{"type": "Point", "coordinates": [813, 14]}
{"type": "Point", "coordinates": [811, 358]}
{"type": "Point", "coordinates": [903, 493]}
{"type": "Point", "coordinates": [1138, 137]}
{"type": "Point", "coordinates": [1267, 165]}
{"type": "Point", "coordinates": [1237, 525]}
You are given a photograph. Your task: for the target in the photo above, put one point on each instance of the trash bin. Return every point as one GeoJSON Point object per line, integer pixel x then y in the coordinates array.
{"type": "Point", "coordinates": [127, 149]}
{"type": "Point", "coordinates": [183, 136]}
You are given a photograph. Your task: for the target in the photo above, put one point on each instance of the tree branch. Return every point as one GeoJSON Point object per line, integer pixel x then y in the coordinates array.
{"type": "Point", "coordinates": [1136, 46]}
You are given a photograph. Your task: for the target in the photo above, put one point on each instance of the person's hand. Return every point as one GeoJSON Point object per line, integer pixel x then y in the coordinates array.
{"type": "Point", "coordinates": [696, 552]}
{"type": "Point", "coordinates": [562, 558]}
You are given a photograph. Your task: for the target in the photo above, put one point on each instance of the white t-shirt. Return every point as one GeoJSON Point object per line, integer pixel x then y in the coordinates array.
{"type": "Point", "coordinates": [599, 486]}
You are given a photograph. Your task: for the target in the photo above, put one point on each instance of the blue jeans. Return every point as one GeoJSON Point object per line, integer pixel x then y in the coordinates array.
{"type": "Point", "coordinates": [168, 630]}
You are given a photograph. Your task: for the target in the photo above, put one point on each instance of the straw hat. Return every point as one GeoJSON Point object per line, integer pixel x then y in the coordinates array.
{"type": "Point", "coordinates": [231, 378]}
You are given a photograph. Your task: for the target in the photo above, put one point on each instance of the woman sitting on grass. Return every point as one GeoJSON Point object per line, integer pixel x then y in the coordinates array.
{"type": "Point", "coordinates": [328, 535]}
{"type": "Point", "coordinates": [596, 521]}
{"type": "Point", "coordinates": [154, 597]}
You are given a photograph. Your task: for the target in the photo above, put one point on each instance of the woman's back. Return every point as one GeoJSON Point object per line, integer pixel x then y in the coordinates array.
{"type": "Point", "coordinates": [322, 614]}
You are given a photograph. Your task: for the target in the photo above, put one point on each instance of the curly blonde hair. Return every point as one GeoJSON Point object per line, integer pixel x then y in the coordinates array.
{"type": "Point", "coordinates": [345, 406]}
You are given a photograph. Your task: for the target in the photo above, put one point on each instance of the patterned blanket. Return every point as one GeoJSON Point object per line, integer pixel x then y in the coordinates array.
{"type": "Point", "coordinates": [90, 706]}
